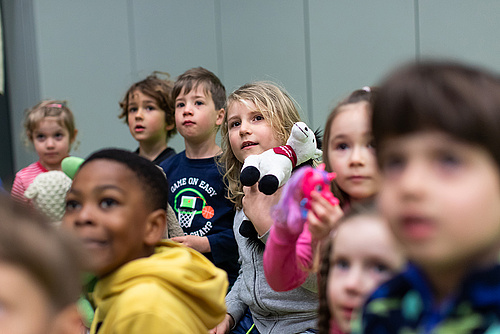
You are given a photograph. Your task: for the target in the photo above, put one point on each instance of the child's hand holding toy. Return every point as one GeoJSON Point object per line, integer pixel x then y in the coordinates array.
{"type": "Point", "coordinates": [292, 211]}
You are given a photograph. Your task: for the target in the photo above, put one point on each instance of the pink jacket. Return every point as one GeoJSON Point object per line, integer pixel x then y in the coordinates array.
{"type": "Point", "coordinates": [287, 258]}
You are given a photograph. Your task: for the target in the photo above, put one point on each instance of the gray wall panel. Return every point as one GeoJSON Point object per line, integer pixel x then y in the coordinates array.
{"type": "Point", "coordinates": [353, 43]}
{"type": "Point", "coordinates": [264, 40]}
{"type": "Point", "coordinates": [461, 29]}
{"type": "Point", "coordinates": [89, 52]}
{"type": "Point", "coordinates": [84, 57]}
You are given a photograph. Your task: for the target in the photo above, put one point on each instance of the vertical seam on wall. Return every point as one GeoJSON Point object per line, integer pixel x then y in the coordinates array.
{"type": "Point", "coordinates": [218, 39]}
{"type": "Point", "coordinates": [417, 29]}
{"type": "Point", "coordinates": [307, 46]}
{"type": "Point", "coordinates": [131, 39]}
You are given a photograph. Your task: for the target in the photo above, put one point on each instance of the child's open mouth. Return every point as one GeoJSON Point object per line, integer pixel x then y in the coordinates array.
{"type": "Point", "coordinates": [248, 144]}
{"type": "Point", "coordinates": [417, 228]}
{"type": "Point", "coordinates": [94, 243]}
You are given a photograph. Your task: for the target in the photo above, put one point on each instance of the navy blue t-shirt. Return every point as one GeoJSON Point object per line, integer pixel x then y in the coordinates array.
{"type": "Point", "coordinates": [197, 195]}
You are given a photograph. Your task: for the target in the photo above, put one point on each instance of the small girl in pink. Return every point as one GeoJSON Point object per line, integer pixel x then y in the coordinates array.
{"type": "Point", "coordinates": [50, 127]}
{"type": "Point", "coordinates": [347, 151]}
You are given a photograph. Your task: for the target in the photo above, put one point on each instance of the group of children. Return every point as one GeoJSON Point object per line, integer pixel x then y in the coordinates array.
{"type": "Point", "coordinates": [412, 246]}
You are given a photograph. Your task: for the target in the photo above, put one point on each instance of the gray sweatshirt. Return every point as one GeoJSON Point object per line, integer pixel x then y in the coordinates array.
{"type": "Point", "coordinates": [273, 312]}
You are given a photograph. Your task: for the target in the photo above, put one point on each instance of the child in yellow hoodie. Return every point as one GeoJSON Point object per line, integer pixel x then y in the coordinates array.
{"type": "Point", "coordinates": [116, 205]}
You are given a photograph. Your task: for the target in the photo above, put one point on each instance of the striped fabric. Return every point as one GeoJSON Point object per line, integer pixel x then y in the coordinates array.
{"type": "Point", "coordinates": [24, 178]}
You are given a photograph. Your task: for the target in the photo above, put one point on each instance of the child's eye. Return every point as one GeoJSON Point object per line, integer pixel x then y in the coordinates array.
{"type": "Point", "coordinates": [150, 108]}
{"type": "Point", "coordinates": [59, 136]}
{"type": "Point", "coordinates": [198, 103]}
{"type": "Point", "coordinates": [107, 203]}
{"type": "Point", "coordinates": [449, 160]}
{"type": "Point", "coordinates": [132, 110]}
{"type": "Point", "coordinates": [341, 146]}
{"type": "Point", "coordinates": [341, 264]}
{"type": "Point", "coordinates": [180, 105]}
{"type": "Point", "coordinates": [40, 137]}
{"type": "Point", "coordinates": [381, 268]}
{"type": "Point", "coordinates": [393, 163]}
{"type": "Point", "coordinates": [259, 118]}
{"type": "Point", "coordinates": [234, 124]}
{"type": "Point", "coordinates": [72, 205]}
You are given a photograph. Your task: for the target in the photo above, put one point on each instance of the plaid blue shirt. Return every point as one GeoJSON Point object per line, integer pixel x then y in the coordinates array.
{"type": "Point", "coordinates": [405, 305]}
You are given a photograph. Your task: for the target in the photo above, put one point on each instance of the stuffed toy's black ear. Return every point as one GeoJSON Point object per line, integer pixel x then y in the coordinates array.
{"type": "Point", "coordinates": [249, 176]}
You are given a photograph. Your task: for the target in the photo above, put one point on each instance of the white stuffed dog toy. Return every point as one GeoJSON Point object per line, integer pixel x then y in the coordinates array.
{"type": "Point", "coordinates": [273, 167]}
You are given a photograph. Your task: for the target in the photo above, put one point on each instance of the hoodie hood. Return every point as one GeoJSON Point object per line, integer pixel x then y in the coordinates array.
{"type": "Point", "coordinates": [185, 274]}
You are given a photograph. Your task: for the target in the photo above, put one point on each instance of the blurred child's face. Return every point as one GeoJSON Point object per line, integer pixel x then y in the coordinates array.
{"type": "Point", "coordinates": [107, 209]}
{"type": "Point", "coordinates": [249, 133]}
{"type": "Point", "coordinates": [196, 118]}
{"type": "Point", "coordinates": [24, 306]}
{"type": "Point", "coordinates": [52, 142]}
{"type": "Point", "coordinates": [146, 120]}
{"type": "Point", "coordinates": [364, 255]}
{"type": "Point", "coordinates": [442, 199]}
{"type": "Point", "coordinates": [351, 154]}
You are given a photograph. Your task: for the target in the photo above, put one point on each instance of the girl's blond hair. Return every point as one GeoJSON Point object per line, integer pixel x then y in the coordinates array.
{"type": "Point", "coordinates": [49, 108]}
{"type": "Point", "coordinates": [280, 112]}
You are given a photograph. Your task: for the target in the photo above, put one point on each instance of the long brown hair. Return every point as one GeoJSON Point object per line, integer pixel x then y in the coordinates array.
{"type": "Point", "coordinates": [367, 94]}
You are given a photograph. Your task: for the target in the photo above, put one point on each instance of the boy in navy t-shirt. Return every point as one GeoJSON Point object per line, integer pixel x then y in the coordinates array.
{"type": "Point", "coordinates": [197, 191]}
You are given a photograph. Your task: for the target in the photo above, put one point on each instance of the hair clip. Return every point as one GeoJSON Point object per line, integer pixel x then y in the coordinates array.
{"type": "Point", "coordinates": [54, 105]}
{"type": "Point", "coordinates": [367, 89]}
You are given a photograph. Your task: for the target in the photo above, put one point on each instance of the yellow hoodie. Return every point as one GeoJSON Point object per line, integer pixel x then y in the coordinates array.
{"type": "Point", "coordinates": [175, 290]}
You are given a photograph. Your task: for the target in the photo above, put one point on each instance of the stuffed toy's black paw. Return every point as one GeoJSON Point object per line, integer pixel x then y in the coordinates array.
{"type": "Point", "coordinates": [249, 176]}
{"type": "Point", "coordinates": [268, 184]}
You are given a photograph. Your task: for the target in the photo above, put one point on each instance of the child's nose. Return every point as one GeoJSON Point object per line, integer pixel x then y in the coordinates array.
{"type": "Point", "coordinates": [245, 128]}
{"type": "Point", "coordinates": [411, 179]}
{"type": "Point", "coordinates": [50, 142]}
{"type": "Point", "coordinates": [188, 109]}
{"type": "Point", "coordinates": [354, 282]}
{"type": "Point", "coordinates": [139, 114]}
{"type": "Point", "coordinates": [84, 216]}
{"type": "Point", "coordinates": [358, 156]}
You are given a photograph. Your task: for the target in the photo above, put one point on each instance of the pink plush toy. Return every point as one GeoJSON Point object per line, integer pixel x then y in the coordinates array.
{"type": "Point", "coordinates": [291, 210]}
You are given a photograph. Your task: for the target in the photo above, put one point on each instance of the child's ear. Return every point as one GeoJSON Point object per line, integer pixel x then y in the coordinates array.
{"type": "Point", "coordinates": [74, 136]}
{"type": "Point", "coordinates": [220, 116]}
{"type": "Point", "coordinates": [155, 227]}
{"type": "Point", "coordinates": [68, 321]}
{"type": "Point", "coordinates": [169, 127]}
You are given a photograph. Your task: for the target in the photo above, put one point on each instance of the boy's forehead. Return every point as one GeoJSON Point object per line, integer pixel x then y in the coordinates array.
{"type": "Point", "coordinates": [200, 88]}
{"type": "Point", "coordinates": [135, 94]}
{"type": "Point", "coordinates": [106, 171]}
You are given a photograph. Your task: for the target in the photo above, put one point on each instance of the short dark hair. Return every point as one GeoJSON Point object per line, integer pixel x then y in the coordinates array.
{"type": "Point", "coordinates": [52, 257]}
{"type": "Point", "coordinates": [150, 176]}
{"type": "Point", "coordinates": [160, 90]}
{"type": "Point", "coordinates": [192, 78]}
{"type": "Point", "coordinates": [458, 99]}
